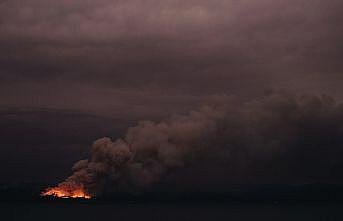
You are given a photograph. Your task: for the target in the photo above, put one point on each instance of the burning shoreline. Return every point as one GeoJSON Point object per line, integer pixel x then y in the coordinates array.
{"type": "Point", "coordinates": [61, 192]}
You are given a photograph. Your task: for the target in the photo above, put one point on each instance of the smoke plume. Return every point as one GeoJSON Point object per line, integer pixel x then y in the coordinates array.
{"type": "Point", "coordinates": [277, 138]}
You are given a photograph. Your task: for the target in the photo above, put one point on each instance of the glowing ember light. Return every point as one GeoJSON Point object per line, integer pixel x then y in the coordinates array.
{"type": "Point", "coordinates": [60, 192]}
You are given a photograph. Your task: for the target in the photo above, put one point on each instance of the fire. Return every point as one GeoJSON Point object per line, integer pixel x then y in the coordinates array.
{"type": "Point", "coordinates": [61, 192]}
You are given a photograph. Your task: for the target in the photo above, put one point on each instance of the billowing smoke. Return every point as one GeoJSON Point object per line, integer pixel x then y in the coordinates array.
{"type": "Point", "coordinates": [277, 138]}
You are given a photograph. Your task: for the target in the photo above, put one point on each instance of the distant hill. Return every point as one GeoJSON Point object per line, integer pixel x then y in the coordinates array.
{"type": "Point", "coordinates": [311, 193]}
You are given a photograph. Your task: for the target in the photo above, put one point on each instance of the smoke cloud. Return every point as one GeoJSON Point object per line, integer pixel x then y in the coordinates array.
{"type": "Point", "coordinates": [279, 137]}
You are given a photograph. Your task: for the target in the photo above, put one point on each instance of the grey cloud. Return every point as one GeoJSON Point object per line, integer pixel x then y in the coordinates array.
{"type": "Point", "coordinates": [280, 138]}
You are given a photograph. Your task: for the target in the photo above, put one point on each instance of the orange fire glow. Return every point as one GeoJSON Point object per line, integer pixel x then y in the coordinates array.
{"type": "Point", "coordinates": [63, 193]}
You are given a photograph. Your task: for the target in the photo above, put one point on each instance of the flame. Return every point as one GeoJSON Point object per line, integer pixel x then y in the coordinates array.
{"type": "Point", "coordinates": [61, 192]}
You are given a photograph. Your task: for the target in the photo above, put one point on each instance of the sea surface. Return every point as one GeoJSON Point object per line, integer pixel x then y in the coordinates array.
{"type": "Point", "coordinates": [158, 211]}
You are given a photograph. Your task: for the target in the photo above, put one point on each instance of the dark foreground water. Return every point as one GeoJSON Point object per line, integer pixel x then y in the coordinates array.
{"type": "Point", "coordinates": [244, 212]}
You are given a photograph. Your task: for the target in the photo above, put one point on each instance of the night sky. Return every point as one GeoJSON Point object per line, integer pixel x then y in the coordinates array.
{"type": "Point", "coordinates": [73, 71]}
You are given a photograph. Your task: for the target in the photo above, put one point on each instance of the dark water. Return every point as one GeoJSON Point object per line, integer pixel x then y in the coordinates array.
{"type": "Point", "coordinates": [272, 212]}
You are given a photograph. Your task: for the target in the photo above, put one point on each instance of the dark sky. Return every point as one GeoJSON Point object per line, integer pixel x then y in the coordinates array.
{"type": "Point", "coordinates": [103, 61]}
{"type": "Point", "coordinates": [112, 56]}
